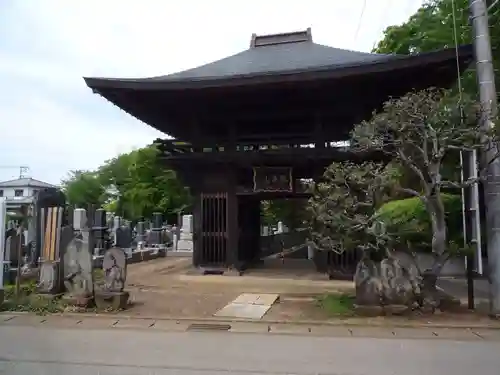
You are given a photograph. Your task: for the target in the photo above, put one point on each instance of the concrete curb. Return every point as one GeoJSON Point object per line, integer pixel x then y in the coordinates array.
{"type": "Point", "coordinates": [215, 320]}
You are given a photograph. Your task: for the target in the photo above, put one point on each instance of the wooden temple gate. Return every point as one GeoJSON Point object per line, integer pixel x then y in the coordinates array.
{"type": "Point", "coordinates": [233, 116]}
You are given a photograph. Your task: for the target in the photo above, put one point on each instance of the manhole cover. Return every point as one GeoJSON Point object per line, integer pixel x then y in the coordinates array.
{"type": "Point", "coordinates": [208, 327]}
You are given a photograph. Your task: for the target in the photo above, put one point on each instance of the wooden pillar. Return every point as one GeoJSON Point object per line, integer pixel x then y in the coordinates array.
{"type": "Point", "coordinates": [319, 138]}
{"type": "Point", "coordinates": [197, 225]}
{"type": "Point", "coordinates": [232, 258]}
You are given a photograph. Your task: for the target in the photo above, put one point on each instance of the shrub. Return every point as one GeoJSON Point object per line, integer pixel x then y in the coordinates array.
{"type": "Point", "coordinates": [410, 220]}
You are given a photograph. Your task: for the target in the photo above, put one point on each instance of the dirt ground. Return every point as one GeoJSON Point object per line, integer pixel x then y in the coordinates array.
{"type": "Point", "coordinates": [168, 288]}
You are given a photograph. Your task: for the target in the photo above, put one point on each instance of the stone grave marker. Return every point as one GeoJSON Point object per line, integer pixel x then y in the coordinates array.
{"type": "Point", "coordinates": [185, 242]}
{"type": "Point", "coordinates": [112, 294]}
{"type": "Point", "coordinates": [78, 277]}
{"type": "Point", "coordinates": [140, 236]}
{"type": "Point", "coordinates": [79, 219]}
{"type": "Point", "coordinates": [124, 239]}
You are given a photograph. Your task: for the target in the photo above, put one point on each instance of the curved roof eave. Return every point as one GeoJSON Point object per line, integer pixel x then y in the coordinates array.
{"type": "Point", "coordinates": [329, 71]}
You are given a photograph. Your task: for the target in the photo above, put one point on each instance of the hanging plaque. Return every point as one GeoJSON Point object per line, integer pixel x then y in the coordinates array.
{"type": "Point", "coordinates": [269, 179]}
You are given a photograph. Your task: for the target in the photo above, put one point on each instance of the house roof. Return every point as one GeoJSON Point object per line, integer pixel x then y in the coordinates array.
{"type": "Point", "coordinates": [268, 55]}
{"type": "Point", "coordinates": [25, 182]}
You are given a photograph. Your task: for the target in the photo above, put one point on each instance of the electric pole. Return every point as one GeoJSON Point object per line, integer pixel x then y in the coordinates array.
{"type": "Point", "coordinates": [22, 169]}
{"type": "Point", "coordinates": [488, 98]}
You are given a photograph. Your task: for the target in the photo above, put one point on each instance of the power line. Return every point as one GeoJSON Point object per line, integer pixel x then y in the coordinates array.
{"type": "Point", "coordinates": [381, 23]}
{"type": "Point", "coordinates": [360, 21]}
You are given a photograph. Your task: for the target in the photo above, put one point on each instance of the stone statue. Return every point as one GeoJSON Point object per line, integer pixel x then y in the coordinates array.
{"type": "Point", "coordinates": [114, 266]}
{"type": "Point", "coordinates": [47, 283]}
{"type": "Point", "coordinates": [78, 280]}
{"type": "Point", "coordinates": [112, 296]}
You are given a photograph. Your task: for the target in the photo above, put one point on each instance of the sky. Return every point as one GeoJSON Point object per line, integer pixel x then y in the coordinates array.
{"type": "Point", "coordinates": [52, 123]}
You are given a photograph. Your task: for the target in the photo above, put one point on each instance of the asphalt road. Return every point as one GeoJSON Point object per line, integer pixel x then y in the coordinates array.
{"type": "Point", "coordinates": [31, 350]}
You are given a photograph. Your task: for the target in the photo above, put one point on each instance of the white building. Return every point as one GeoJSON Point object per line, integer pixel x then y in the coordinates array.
{"type": "Point", "coordinates": [21, 191]}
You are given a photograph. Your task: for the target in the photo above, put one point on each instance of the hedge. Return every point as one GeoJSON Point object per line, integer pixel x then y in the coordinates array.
{"type": "Point", "coordinates": [409, 218]}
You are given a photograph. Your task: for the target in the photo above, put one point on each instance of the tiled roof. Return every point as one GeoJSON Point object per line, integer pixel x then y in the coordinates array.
{"type": "Point", "coordinates": [25, 182]}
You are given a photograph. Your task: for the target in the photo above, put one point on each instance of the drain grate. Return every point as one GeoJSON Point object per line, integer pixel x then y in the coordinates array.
{"type": "Point", "coordinates": [208, 327]}
{"type": "Point", "coordinates": [213, 271]}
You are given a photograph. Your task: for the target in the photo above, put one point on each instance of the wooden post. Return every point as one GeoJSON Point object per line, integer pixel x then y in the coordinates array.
{"type": "Point", "coordinates": [3, 214]}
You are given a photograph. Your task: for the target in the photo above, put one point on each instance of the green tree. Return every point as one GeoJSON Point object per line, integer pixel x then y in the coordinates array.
{"type": "Point", "coordinates": [131, 185]}
{"type": "Point", "coordinates": [83, 188]}
{"type": "Point", "coordinates": [416, 132]}
{"type": "Point", "coordinates": [150, 186]}
{"type": "Point", "coordinates": [433, 27]}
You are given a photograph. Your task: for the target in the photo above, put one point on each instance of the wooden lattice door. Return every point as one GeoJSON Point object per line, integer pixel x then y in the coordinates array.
{"type": "Point", "coordinates": [214, 229]}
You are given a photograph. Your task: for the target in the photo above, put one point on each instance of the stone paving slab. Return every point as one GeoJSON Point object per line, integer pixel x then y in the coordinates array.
{"type": "Point", "coordinates": [170, 325]}
{"type": "Point", "coordinates": [493, 334]}
{"type": "Point", "coordinates": [134, 323]}
{"type": "Point", "coordinates": [243, 311]}
{"type": "Point", "coordinates": [420, 333]}
{"type": "Point", "coordinates": [374, 332]}
{"type": "Point", "coordinates": [87, 322]}
{"type": "Point", "coordinates": [266, 299]}
{"type": "Point", "coordinates": [244, 327]}
{"type": "Point", "coordinates": [25, 319]}
{"type": "Point", "coordinates": [290, 329]}
{"type": "Point", "coordinates": [97, 323]}
{"type": "Point", "coordinates": [455, 334]}
{"type": "Point", "coordinates": [331, 331]}
{"type": "Point", "coordinates": [6, 317]}
{"type": "Point", "coordinates": [246, 298]}
{"type": "Point", "coordinates": [59, 322]}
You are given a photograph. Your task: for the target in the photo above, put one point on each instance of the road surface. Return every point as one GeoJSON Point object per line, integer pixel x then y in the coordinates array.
{"type": "Point", "coordinates": [32, 350]}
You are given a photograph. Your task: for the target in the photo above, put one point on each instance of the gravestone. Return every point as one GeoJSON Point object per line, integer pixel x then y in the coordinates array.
{"type": "Point", "coordinates": [14, 240]}
{"type": "Point", "coordinates": [124, 239]}
{"type": "Point", "coordinates": [185, 242]}
{"type": "Point", "coordinates": [100, 231]}
{"type": "Point", "coordinates": [77, 271]}
{"type": "Point", "coordinates": [175, 237]}
{"type": "Point", "coordinates": [112, 294]}
{"type": "Point", "coordinates": [169, 235]}
{"type": "Point", "coordinates": [156, 235]}
{"type": "Point", "coordinates": [110, 220]}
{"type": "Point", "coordinates": [79, 219]}
{"type": "Point", "coordinates": [140, 237]}
{"type": "Point", "coordinates": [116, 225]}
{"type": "Point", "coordinates": [6, 254]}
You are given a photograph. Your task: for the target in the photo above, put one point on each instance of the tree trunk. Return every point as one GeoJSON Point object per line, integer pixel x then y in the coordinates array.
{"type": "Point", "coordinates": [430, 276]}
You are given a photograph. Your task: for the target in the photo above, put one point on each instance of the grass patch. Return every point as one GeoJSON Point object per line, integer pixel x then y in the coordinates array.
{"type": "Point", "coordinates": [336, 304]}
{"type": "Point", "coordinates": [98, 274]}
{"type": "Point", "coordinates": [29, 301]}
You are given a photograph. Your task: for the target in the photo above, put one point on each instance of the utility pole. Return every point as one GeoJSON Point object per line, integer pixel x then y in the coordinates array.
{"type": "Point", "coordinates": [488, 98]}
{"type": "Point", "coordinates": [22, 169]}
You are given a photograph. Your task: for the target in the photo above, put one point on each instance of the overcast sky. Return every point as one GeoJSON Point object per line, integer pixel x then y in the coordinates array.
{"type": "Point", "coordinates": [52, 123]}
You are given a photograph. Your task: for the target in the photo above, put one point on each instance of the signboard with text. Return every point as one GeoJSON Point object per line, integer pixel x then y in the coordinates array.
{"type": "Point", "coordinates": [272, 179]}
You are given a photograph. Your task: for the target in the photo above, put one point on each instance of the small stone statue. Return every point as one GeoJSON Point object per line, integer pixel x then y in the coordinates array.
{"type": "Point", "coordinates": [112, 296]}
{"type": "Point", "coordinates": [114, 266]}
{"type": "Point", "coordinates": [78, 280]}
